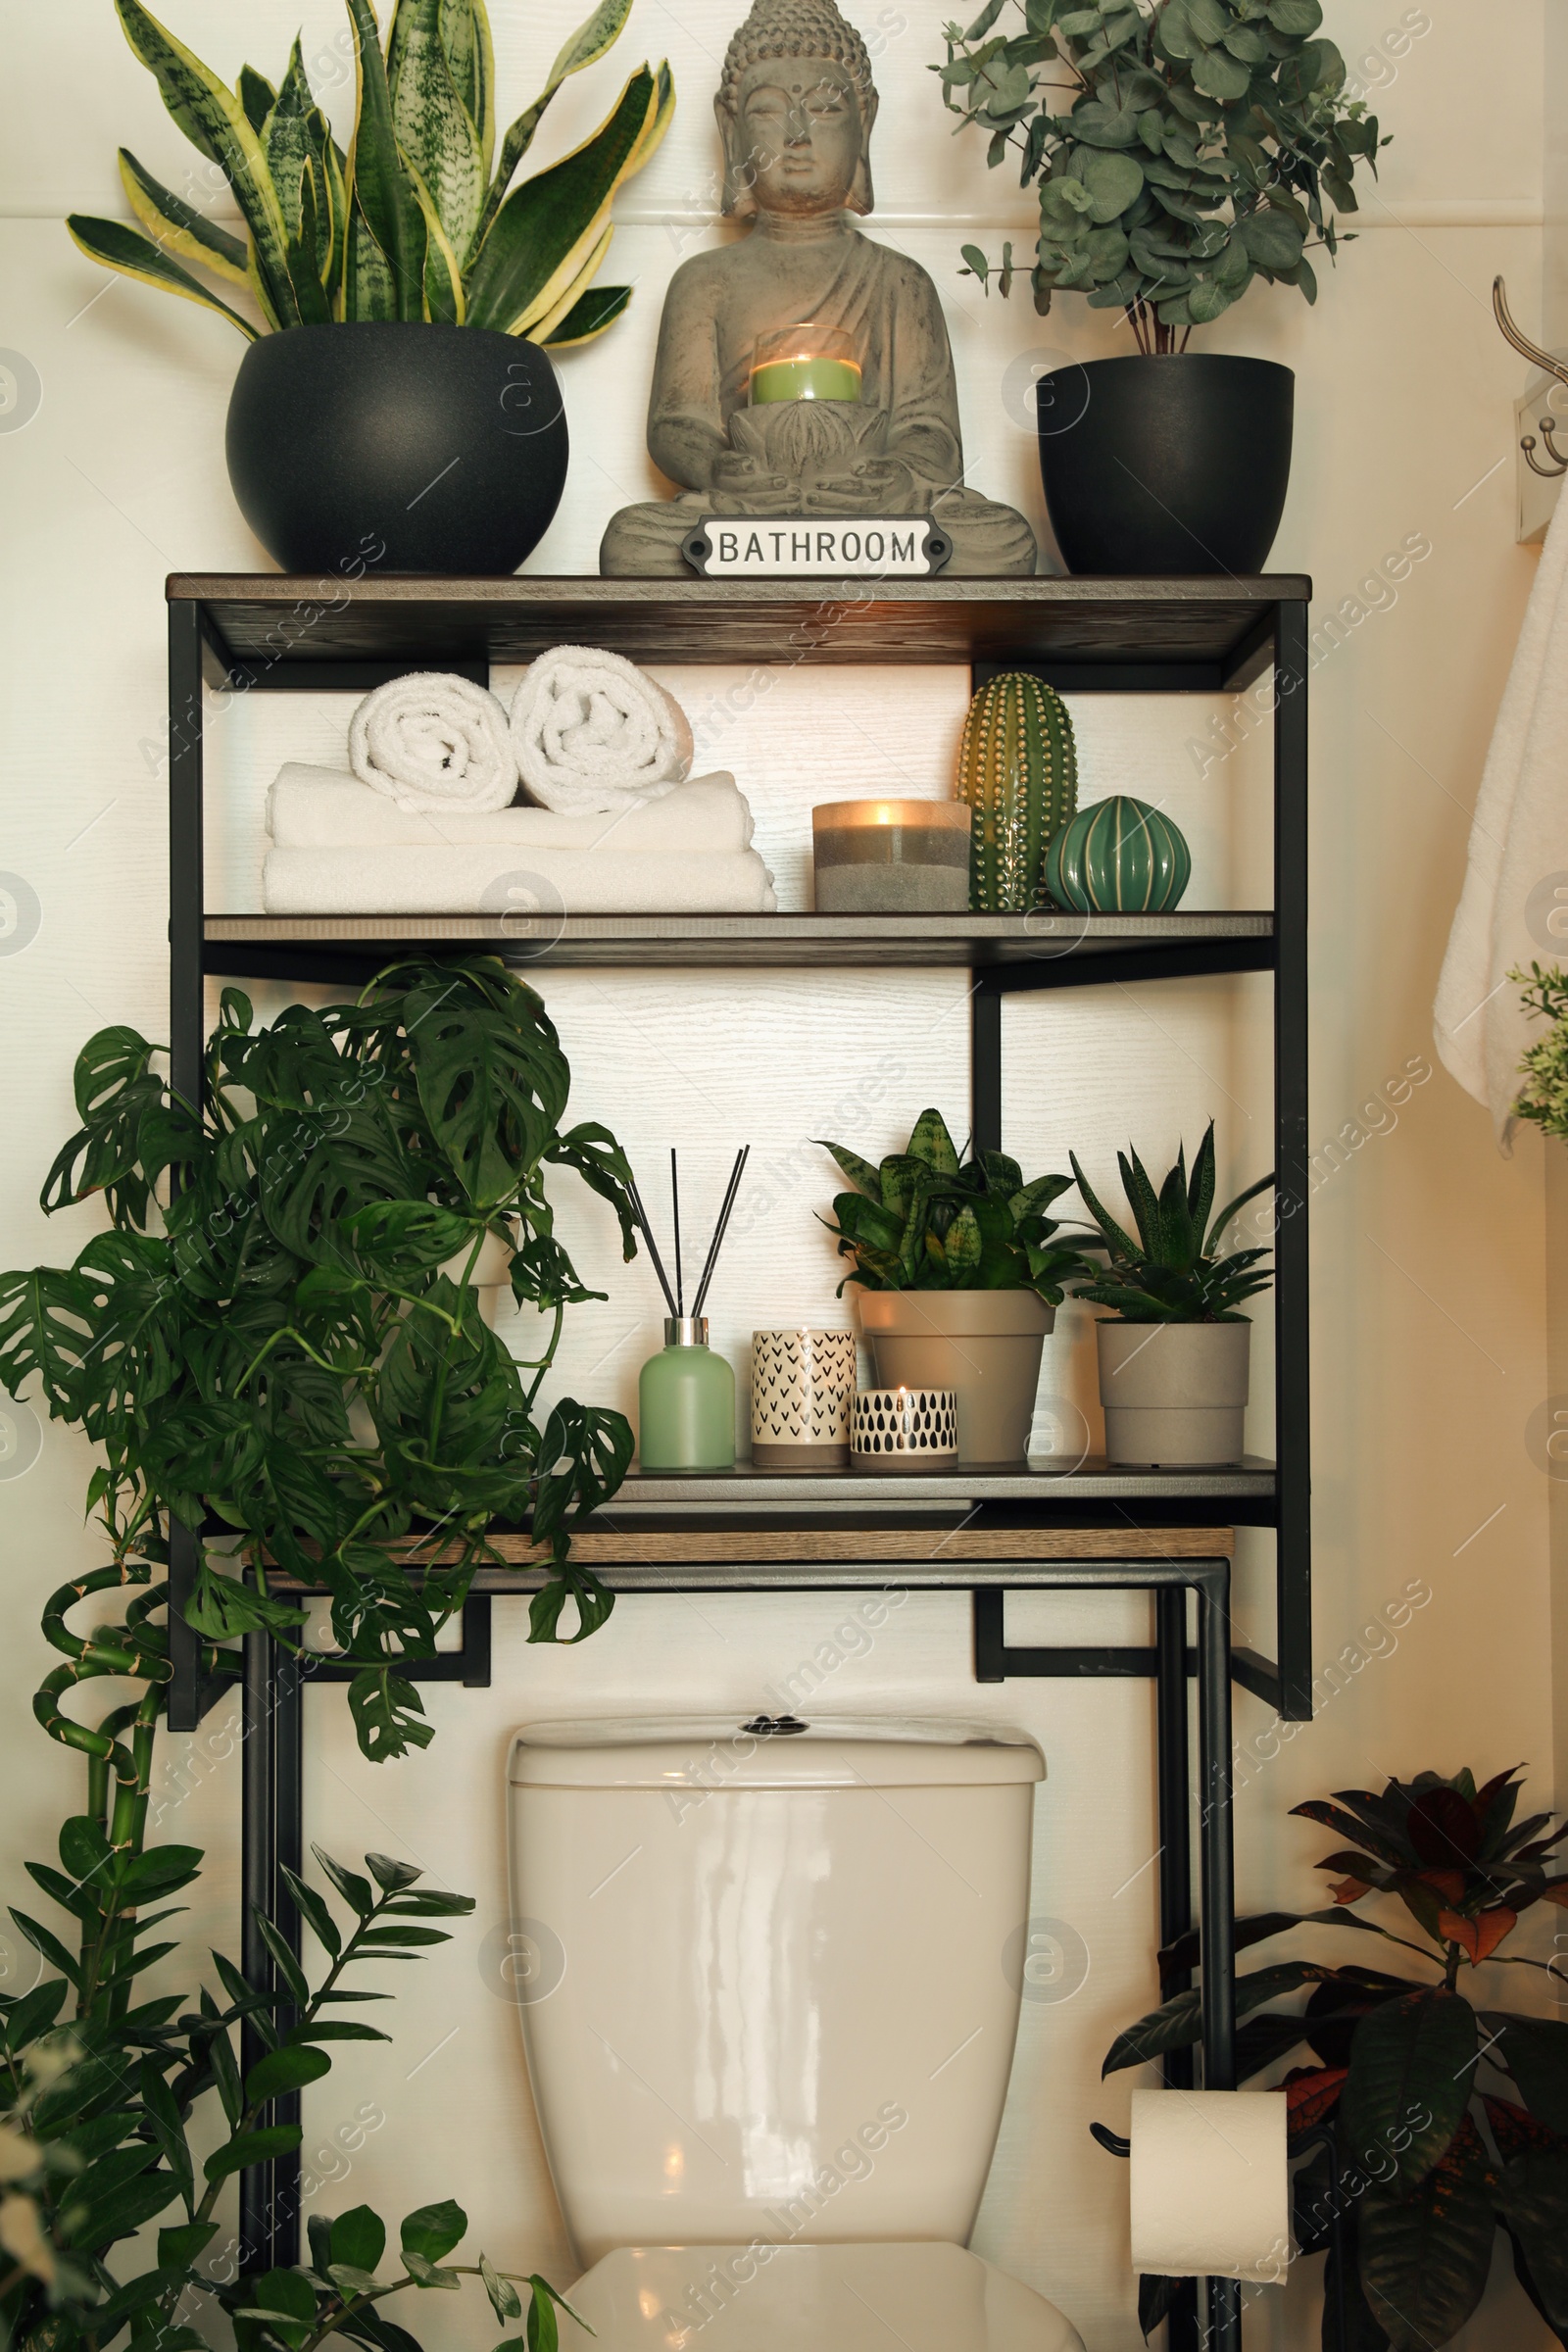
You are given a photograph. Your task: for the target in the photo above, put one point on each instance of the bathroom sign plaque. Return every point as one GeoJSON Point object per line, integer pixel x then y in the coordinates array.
{"type": "Point", "coordinates": [781, 547]}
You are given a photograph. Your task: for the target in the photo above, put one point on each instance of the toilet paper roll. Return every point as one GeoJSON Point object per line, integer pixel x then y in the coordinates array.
{"type": "Point", "coordinates": [1211, 2186]}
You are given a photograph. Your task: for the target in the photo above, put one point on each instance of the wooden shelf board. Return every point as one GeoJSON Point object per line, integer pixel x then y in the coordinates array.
{"type": "Point", "coordinates": [270, 619]}
{"type": "Point", "coordinates": [1092, 1480]}
{"type": "Point", "coordinates": [970, 940]}
{"type": "Point", "coordinates": [937, 1549]}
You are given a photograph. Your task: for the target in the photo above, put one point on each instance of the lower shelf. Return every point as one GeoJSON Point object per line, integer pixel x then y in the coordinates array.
{"type": "Point", "coordinates": [1089, 1479]}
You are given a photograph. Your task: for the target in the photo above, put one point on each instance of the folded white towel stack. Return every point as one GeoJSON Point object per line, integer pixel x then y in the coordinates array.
{"type": "Point", "coordinates": [435, 743]}
{"type": "Point", "coordinates": [525, 880]}
{"type": "Point", "coordinates": [320, 807]}
{"type": "Point", "coordinates": [593, 735]}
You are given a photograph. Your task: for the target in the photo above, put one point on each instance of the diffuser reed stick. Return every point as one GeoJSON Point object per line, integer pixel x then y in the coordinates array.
{"type": "Point", "coordinates": [717, 1243]}
{"type": "Point", "coordinates": [675, 1300]}
{"type": "Point", "coordinates": [647, 1233]}
{"type": "Point", "coordinates": [674, 1210]}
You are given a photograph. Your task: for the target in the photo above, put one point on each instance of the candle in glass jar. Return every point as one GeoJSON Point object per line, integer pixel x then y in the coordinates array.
{"type": "Point", "coordinates": [891, 856]}
{"type": "Point", "coordinates": [804, 363]}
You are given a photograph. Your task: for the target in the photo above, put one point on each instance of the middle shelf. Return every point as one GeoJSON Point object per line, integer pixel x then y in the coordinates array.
{"type": "Point", "coordinates": [1023, 945]}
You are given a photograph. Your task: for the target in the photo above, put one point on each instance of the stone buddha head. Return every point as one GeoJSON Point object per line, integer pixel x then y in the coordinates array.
{"type": "Point", "coordinates": [795, 112]}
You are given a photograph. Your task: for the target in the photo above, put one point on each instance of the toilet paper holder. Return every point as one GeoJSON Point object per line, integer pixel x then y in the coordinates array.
{"type": "Point", "coordinates": [1323, 2137]}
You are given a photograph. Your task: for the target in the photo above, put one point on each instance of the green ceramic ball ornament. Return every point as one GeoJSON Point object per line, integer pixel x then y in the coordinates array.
{"type": "Point", "coordinates": [1120, 856]}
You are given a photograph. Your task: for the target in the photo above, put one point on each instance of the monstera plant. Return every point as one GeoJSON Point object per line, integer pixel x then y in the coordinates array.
{"type": "Point", "coordinates": [413, 219]}
{"type": "Point", "coordinates": [277, 1344]}
{"type": "Point", "coordinates": [392, 442]}
{"type": "Point", "coordinates": [1449, 2107]}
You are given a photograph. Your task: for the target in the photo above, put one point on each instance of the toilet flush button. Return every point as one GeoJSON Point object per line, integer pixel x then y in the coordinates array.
{"type": "Point", "coordinates": [774, 1726]}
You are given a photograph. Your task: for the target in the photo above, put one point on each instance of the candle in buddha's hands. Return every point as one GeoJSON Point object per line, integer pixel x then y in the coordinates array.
{"type": "Point", "coordinates": [805, 362]}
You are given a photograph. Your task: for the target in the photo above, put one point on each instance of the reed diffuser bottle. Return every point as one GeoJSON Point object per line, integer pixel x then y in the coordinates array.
{"type": "Point", "coordinates": [686, 1401]}
{"type": "Point", "coordinates": [686, 1394]}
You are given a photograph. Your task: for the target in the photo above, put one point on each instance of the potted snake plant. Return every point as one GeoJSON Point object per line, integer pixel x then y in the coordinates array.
{"type": "Point", "coordinates": [1174, 1351]}
{"type": "Point", "coordinates": [960, 1276]}
{"type": "Point", "coordinates": [1181, 152]}
{"type": "Point", "coordinates": [397, 406]}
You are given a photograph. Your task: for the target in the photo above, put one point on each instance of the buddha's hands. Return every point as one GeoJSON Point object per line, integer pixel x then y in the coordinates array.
{"type": "Point", "coordinates": [870, 486]}
{"type": "Point", "coordinates": [746, 484]}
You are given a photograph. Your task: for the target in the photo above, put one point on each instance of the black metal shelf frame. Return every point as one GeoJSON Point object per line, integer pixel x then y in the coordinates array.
{"type": "Point", "coordinates": [1080, 637]}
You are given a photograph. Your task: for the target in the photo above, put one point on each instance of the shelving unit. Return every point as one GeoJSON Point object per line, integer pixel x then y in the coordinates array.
{"type": "Point", "coordinates": [1084, 1527]}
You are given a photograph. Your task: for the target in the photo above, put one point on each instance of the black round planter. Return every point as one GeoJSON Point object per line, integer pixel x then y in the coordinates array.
{"type": "Point", "coordinates": [384, 447]}
{"type": "Point", "coordinates": [1172, 464]}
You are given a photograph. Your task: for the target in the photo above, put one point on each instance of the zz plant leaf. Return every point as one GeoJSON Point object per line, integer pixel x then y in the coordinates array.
{"type": "Point", "coordinates": [416, 218]}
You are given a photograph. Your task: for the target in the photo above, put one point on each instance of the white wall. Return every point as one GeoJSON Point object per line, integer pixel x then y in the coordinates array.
{"type": "Point", "coordinates": [1429, 1322]}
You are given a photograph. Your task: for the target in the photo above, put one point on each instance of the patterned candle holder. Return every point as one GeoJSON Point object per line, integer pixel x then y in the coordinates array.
{"type": "Point", "coordinates": [802, 1386]}
{"type": "Point", "coordinates": [905, 1429]}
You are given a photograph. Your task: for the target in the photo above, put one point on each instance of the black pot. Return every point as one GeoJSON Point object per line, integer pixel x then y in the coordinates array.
{"type": "Point", "coordinates": [1178, 464]}
{"type": "Point", "coordinates": [395, 447]}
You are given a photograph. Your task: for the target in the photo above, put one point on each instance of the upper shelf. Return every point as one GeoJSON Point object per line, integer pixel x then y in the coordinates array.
{"type": "Point", "coordinates": [1202, 633]}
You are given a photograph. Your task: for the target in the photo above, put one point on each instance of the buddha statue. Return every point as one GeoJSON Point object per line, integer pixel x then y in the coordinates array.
{"type": "Point", "coordinates": [794, 109]}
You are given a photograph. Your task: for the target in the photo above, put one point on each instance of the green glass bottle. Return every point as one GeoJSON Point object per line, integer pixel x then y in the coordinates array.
{"type": "Point", "coordinates": [686, 1403]}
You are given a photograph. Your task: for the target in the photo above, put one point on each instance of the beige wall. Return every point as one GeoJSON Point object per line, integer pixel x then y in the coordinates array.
{"type": "Point", "coordinates": [1430, 1328]}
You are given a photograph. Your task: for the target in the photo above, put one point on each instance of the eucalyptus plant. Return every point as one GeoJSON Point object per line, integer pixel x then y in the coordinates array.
{"type": "Point", "coordinates": [1182, 148]}
{"type": "Point", "coordinates": [1451, 2114]}
{"type": "Point", "coordinates": [1173, 1272]}
{"type": "Point", "coordinates": [922, 1221]}
{"type": "Point", "coordinates": [277, 1344]}
{"type": "Point", "coordinates": [418, 218]}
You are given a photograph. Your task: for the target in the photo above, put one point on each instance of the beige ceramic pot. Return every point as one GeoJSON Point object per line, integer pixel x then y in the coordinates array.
{"type": "Point", "coordinates": [983, 1345]}
{"type": "Point", "coordinates": [1174, 1394]}
{"type": "Point", "coordinates": [491, 1279]}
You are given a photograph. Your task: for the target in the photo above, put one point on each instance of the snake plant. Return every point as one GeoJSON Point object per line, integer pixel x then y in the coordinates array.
{"type": "Point", "coordinates": [414, 220]}
{"type": "Point", "coordinates": [922, 1221]}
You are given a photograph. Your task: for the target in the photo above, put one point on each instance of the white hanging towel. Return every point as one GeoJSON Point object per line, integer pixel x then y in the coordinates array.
{"type": "Point", "coordinates": [434, 744]}
{"type": "Point", "coordinates": [594, 735]}
{"type": "Point", "coordinates": [1518, 843]}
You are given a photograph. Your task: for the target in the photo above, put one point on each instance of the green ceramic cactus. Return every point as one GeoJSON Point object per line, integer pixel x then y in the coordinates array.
{"type": "Point", "coordinates": [1019, 771]}
{"type": "Point", "coordinates": [1118, 856]}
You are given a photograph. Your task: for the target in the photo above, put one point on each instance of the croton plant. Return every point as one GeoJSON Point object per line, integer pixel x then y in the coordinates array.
{"type": "Point", "coordinates": [1450, 2113]}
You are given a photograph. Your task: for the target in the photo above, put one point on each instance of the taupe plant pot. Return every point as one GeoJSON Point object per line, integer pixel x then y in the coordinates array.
{"type": "Point", "coordinates": [1174, 1394]}
{"type": "Point", "coordinates": [984, 1344]}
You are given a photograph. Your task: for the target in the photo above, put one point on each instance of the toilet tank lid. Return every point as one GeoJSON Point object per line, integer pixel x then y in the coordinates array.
{"type": "Point", "coordinates": [715, 1752]}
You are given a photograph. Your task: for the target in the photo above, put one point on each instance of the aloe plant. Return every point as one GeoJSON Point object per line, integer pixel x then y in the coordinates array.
{"type": "Point", "coordinates": [921, 1221]}
{"type": "Point", "coordinates": [1173, 1272]}
{"type": "Point", "coordinates": [414, 220]}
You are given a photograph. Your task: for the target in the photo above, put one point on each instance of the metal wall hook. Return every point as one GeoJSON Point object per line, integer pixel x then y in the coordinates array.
{"type": "Point", "coordinates": [1522, 343]}
{"type": "Point", "coordinates": [1545, 426]}
{"type": "Point", "coordinates": [1547, 473]}
{"type": "Point", "coordinates": [1550, 367]}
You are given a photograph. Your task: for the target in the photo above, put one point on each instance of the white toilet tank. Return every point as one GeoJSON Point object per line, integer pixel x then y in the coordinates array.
{"type": "Point", "coordinates": [770, 1978]}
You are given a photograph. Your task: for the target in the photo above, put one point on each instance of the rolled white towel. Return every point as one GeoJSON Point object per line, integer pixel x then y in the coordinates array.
{"type": "Point", "coordinates": [319, 808]}
{"type": "Point", "coordinates": [445, 880]}
{"type": "Point", "coordinates": [593, 735]}
{"type": "Point", "coordinates": [435, 743]}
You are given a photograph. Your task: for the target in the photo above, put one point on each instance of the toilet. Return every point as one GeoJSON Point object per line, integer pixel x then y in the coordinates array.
{"type": "Point", "coordinates": [768, 1976]}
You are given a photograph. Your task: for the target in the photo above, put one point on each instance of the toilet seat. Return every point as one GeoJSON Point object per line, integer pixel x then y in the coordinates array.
{"type": "Point", "coordinates": [808, 2298]}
